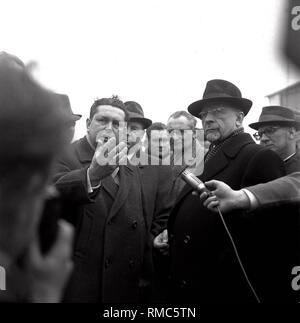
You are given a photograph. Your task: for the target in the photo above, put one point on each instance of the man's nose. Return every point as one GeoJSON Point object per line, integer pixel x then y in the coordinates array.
{"type": "Point", "coordinates": [207, 122]}
{"type": "Point", "coordinates": [264, 139]}
{"type": "Point", "coordinates": [109, 125]}
{"type": "Point", "coordinates": [210, 117]}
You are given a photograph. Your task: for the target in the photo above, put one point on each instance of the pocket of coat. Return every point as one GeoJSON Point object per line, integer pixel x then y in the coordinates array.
{"type": "Point", "coordinates": [84, 235]}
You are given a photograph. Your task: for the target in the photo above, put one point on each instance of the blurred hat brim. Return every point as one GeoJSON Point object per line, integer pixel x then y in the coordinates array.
{"type": "Point", "coordinates": [76, 117]}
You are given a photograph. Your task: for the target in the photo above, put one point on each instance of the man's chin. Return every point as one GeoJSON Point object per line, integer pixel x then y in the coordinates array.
{"type": "Point", "coordinates": [212, 136]}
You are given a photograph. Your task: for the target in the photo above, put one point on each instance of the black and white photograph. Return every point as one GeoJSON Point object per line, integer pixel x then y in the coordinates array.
{"type": "Point", "coordinates": [150, 155]}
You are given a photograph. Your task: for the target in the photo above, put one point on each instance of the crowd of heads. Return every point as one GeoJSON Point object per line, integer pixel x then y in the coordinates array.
{"type": "Point", "coordinates": [221, 110]}
{"type": "Point", "coordinates": [37, 125]}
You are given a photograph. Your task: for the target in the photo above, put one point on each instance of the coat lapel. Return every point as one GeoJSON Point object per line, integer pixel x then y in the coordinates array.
{"type": "Point", "coordinates": [84, 151]}
{"type": "Point", "coordinates": [126, 180]}
{"type": "Point", "coordinates": [85, 155]}
{"type": "Point", "coordinates": [220, 161]}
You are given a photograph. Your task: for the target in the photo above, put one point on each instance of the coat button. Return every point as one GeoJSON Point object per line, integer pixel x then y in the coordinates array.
{"type": "Point", "coordinates": [107, 263]}
{"type": "Point", "coordinates": [109, 222]}
{"type": "Point", "coordinates": [134, 224]}
{"type": "Point", "coordinates": [187, 239]}
{"type": "Point", "coordinates": [131, 263]}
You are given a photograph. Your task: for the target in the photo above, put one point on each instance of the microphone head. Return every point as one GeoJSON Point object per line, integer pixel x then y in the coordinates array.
{"type": "Point", "coordinates": [194, 181]}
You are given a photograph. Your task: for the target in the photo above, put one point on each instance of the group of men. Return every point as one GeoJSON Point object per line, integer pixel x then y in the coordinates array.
{"type": "Point", "coordinates": [122, 190]}
{"type": "Point", "coordinates": [125, 213]}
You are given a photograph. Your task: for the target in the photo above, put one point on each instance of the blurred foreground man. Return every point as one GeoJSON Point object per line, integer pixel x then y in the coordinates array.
{"type": "Point", "coordinates": [33, 133]}
{"type": "Point", "coordinates": [277, 127]}
{"type": "Point", "coordinates": [204, 267]}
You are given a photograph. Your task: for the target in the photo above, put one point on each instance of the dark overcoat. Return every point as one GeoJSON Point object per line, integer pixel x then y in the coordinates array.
{"type": "Point", "coordinates": [203, 265]}
{"type": "Point", "coordinates": [113, 229]}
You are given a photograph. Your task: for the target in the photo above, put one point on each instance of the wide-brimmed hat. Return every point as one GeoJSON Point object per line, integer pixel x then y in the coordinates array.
{"type": "Point", "coordinates": [136, 113]}
{"type": "Point", "coordinates": [276, 114]}
{"type": "Point", "coordinates": [220, 91]}
{"type": "Point", "coordinates": [68, 109]}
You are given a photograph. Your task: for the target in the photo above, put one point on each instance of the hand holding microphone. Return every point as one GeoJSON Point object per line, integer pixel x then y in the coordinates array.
{"type": "Point", "coordinates": [216, 194]}
{"type": "Point", "coordinates": [199, 188]}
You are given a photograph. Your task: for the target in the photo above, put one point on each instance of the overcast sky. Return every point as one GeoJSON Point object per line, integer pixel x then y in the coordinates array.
{"type": "Point", "coordinates": [159, 53]}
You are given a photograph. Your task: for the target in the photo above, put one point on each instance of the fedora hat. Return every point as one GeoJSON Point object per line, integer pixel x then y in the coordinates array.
{"type": "Point", "coordinates": [136, 113]}
{"type": "Point", "coordinates": [276, 114]}
{"type": "Point", "coordinates": [68, 109]}
{"type": "Point", "coordinates": [220, 91]}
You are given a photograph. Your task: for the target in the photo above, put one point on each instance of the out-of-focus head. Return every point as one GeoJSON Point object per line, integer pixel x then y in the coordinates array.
{"type": "Point", "coordinates": [221, 110]}
{"type": "Point", "coordinates": [32, 134]}
{"type": "Point", "coordinates": [136, 124]}
{"type": "Point", "coordinates": [277, 128]}
{"type": "Point", "coordinates": [73, 117]}
{"type": "Point", "coordinates": [107, 119]}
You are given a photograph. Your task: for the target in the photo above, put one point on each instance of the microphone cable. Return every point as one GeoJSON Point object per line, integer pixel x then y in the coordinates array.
{"type": "Point", "coordinates": [200, 187]}
{"type": "Point", "coordinates": [238, 256]}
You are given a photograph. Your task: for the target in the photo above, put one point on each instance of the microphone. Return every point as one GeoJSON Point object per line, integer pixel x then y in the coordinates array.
{"type": "Point", "coordinates": [199, 186]}
{"type": "Point", "coordinates": [194, 182]}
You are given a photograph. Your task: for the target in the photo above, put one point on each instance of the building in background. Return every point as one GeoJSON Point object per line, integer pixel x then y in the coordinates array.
{"type": "Point", "coordinates": [288, 97]}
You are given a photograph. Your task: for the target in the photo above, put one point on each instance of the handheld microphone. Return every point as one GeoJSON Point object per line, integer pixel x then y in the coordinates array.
{"type": "Point", "coordinates": [194, 182]}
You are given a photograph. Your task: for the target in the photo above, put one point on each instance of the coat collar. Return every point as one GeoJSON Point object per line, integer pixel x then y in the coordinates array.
{"type": "Point", "coordinates": [228, 151]}
{"type": "Point", "coordinates": [84, 150]}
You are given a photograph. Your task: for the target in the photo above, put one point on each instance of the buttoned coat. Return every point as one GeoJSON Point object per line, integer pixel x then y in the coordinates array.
{"type": "Point", "coordinates": [204, 267]}
{"type": "Point", "coordinates": [114, 232]}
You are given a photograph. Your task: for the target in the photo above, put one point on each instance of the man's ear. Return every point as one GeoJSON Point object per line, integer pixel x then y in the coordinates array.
{"type": "Point", "coordinates": [239, 119]}
{"type": "Point", "coordinates": [292, 133]}
{"type": "Point", "coordinates": [88, 123]}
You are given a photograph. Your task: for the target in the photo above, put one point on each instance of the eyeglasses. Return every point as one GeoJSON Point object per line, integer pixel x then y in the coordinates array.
{"type": "Point", "coordinates": [267, 131]}
{"type": "Point", "coordinates": [216, 112]}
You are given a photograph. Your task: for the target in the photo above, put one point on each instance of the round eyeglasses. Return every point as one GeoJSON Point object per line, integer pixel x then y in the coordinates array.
{"type": "Point", "coordinates": [267, 131]}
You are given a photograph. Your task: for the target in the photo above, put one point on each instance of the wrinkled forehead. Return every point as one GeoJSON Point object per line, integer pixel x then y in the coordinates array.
{"type": "Point", "coordinates": [111, 112]}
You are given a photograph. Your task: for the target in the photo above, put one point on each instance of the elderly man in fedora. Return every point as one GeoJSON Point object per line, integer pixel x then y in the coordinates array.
{"type": "Point", "coordinates": [276, 130]}
{"type": "Point", "coordinates": [156, 184]}
{"type": "Point", "coordinates": [204, 267]}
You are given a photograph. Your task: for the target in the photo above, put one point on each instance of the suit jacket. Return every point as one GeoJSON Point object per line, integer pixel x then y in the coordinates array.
{"type": "Point", "coordinates": [203, 265]}
{"type": "Point", "coordinates": [112, 230]}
